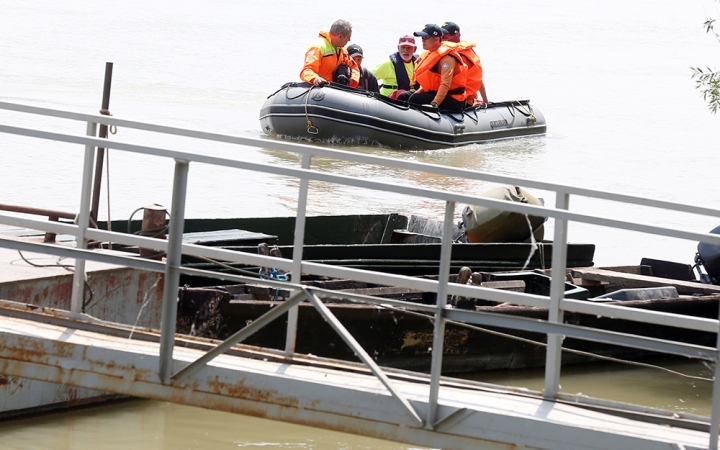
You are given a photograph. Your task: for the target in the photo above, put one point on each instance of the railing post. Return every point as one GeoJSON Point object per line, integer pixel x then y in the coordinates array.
{"type": "Point", "coordinates": [715, 408]}
{"type": "Point", "coordinates": [172, 274]}
{"type": "Point", "coordinates": [439, 329]}
{"type": "Point", "coordinates": [298, 243]}
{"type": "Point", "coordinates": [83, 219]}
{"type": "Point", "coordinates": [553, 357]}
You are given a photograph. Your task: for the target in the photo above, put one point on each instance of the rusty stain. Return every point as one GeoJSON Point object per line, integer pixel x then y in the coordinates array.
{"type": "Point", "coordinates": [239, 390]}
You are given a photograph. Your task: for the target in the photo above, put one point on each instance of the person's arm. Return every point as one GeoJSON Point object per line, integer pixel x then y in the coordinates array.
{"type": "Point", "coordinates": [309, 72]}
{"type": "Point", "coordinates": [482, 92]}
{"type": "Point", "coordinates": [447, 68]}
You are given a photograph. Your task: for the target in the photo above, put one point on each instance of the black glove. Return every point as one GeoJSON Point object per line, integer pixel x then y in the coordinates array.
{"type": "Point", "coordinates": [404, 96]}
{"type": "Point", "coordinates": [434, 104]}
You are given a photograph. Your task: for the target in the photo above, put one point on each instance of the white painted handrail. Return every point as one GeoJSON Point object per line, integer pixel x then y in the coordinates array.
{"type": "Point", "coordinates": [555, 303]}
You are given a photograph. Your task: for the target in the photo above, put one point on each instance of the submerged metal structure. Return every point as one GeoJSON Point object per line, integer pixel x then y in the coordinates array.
{"type": "Point", "coordinates": [74, 349]}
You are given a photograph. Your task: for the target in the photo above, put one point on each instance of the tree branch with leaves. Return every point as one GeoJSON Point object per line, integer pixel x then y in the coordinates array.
{"type": "Point", "coordinates": [707, 81]}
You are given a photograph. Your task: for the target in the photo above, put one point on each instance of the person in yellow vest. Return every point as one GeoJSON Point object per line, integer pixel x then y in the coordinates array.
{"type": "Point", "coordinates": [475, 84]}
{"type": "Point", "coordinates": [397, 73]}
{"type": "Point", "coordinates": [327, 53]}
{"type": "Point", "coordinates": [441, 73]}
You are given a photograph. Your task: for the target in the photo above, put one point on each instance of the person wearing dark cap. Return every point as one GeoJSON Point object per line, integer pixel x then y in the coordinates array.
{"type": "Point", "coordinates": [475, 84]}
{"type": "Point", "coordinates": [328, 52]}
{"type": "Point", "coordinates": [441, 73]}
{"type": "Point", "coordinates": [397, 73]}
{"type": "Point", "coordinates": [367, 79]}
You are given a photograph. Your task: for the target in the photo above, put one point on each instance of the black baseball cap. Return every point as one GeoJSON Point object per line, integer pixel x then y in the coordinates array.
{"type": "Point", "coordinates": [354, 50]}
{"type": "Point", "coordinates": [430, 30]}
{"type": "Point", "coordinates": [450, 28]}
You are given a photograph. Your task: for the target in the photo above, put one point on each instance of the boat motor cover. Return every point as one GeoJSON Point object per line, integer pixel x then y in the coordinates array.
{"type": "Point", "coordinates": [710, 255]}
{"type": "Point", "coordinates": [483, 224]}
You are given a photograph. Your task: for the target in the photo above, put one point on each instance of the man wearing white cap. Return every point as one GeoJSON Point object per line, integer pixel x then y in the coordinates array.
{"type": "Point", "coordinates": [398, 71]}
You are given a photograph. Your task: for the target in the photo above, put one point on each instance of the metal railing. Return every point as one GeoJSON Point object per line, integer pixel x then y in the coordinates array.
{"type": "Point", "coordinates": [555, 303]}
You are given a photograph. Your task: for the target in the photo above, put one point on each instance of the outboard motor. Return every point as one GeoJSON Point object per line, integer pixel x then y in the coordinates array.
{"type": "Point", "coordinates": [708, 257]}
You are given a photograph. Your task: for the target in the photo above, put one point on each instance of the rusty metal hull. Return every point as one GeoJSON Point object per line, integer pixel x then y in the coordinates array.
{"type": "Point", "coordinates": [404, 341]}
{"type": "Point", "coordinates": [119, 295]}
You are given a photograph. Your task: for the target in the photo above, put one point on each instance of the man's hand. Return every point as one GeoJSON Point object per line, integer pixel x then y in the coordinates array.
{"type": "Point", "coordinates": [434, 104]}
{"type": "Point", "coordinates": [319, 81]}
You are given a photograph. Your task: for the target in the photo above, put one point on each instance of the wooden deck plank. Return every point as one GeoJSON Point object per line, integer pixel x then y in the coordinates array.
{"type": "Point", "coordinates": [630, 281]}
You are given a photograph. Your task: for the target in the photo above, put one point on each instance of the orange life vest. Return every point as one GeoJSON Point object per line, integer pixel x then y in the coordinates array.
{"type": "Point", "coordinates": [322, 58]}
{"type": "Point", "coordinates": [428, 74]}
{"type": "Point", "coordinates": [472, 60]}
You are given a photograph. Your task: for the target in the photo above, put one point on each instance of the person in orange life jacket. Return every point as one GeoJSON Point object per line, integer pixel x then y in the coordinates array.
{"type": "Point", "coordinates": [328, 52]}
{"type": "Point", "coordinates": [367, 79]}
{"type": "Point", "coordinates": [475, 84]}
{"type": "Point", "coordinates": [397, 73]}
{"type": "Point", "coordinates": [440, 72]}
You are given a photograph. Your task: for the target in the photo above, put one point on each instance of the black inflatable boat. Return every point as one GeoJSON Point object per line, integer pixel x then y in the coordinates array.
{"type": "Point", "coordinates": [336, 113]}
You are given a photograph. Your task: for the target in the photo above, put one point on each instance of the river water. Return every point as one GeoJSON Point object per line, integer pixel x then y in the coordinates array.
{"type": "Point", "coordinates": [611, 77]}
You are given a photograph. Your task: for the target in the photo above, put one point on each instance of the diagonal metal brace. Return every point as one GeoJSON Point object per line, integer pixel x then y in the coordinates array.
{"type": "Point", "coordinates": [361, 353]}
{"type": "Point", "coordinates": [241, 335]}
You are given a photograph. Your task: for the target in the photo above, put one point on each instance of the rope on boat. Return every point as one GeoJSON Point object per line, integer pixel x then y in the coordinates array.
{"type": "Point", "coordinates": [543, 344]}
{"type": "Point", "coordinates": [274, 274]}
{"type": "Point", "coordinates": [284, 86]}
{"type": "Point", "coordinates": [425, 113]}
{"type": "Point", "coordinates": [534, 245]}
{"type": "Point", "coordinates": [149, 232]}
{"type": "Point", "coordinates": [249, 273]}
{"type": "Point", "coordinates": [475, 119]}
{"type": "Point", "coordinates": [530, 114]}
{"type": "Point", "coordinates": [310, 127]}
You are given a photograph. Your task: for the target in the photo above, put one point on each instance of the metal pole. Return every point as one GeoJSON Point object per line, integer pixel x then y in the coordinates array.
{"type": "Point", "coordinates": [83, 219]}
{"type": "Point", "coordinates": [553, 358]}
{"type": "Point", "coordinates": [103, 134]}
{"type": "Point", "coordinates": [172, 274]}
{"type": "Point", "coordinates": [715, 408]}
{"type": "Point", "coordinates": [296, 273]}
{"type": "Point", "coordinates": [439, 331]}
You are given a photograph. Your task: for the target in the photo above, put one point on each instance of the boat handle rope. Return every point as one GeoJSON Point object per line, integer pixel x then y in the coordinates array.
{"type": "Point", "coordinates": [284, 86]}
{"type": "Point", "coordinates": [426, 113]}
{"type": "Point", "coordinates": [310, 127]}
{"type": "Point", "coordinates": [474, 119]}
{"type": "Point", "coordinates": [461, 116]}
{"type": "Point", "coordinates": [530, 114]}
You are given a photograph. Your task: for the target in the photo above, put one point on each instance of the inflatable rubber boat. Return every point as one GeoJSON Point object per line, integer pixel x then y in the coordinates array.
{"type": "Point", "coordinates": [339, 114]}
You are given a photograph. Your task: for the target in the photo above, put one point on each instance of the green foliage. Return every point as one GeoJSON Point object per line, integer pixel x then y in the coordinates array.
{"type": "Point", "coordinates": [708, 81]}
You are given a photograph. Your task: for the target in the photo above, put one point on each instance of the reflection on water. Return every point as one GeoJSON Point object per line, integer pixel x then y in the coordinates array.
{"type": "Point", "coordinates": [504, 157]}
{"type": "Point", "coordinates": [150, 425]}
